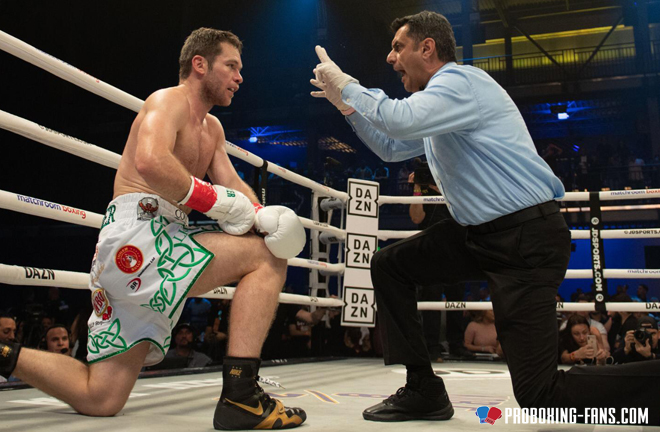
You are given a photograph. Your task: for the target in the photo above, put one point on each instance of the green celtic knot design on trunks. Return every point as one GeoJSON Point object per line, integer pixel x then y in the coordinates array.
{"type": "Point", "coordinates": [106, 339]}
{"type": "Point", "coordinates": [177, 258]}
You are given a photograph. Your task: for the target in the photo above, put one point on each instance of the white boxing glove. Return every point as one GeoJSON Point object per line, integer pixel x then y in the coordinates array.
{"type": "Point", "coordinates": [285, 233]}
{"type": "Point", "coordinates": [233, 210]}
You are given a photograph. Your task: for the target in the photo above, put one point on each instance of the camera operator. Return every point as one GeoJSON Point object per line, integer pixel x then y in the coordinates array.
{"type": "Point", "coordinates": [425, 215]}
{"type": "Point", "coordinates": [640, 344]}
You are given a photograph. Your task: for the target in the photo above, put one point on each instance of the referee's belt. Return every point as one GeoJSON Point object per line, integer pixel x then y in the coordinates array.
{"type": "Point", "coordinates": [514, 219]}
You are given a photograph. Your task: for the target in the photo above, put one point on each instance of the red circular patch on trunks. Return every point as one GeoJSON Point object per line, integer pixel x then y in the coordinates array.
{"type": "Point", "coordinates": [129, 259]}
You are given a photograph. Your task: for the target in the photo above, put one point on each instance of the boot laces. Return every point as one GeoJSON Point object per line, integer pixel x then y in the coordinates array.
{"type": "Point", "coordinates": [400, 394]}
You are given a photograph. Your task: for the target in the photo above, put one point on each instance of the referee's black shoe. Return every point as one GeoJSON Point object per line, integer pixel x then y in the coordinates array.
{"type": "Point", "coordinates": [420, 399]}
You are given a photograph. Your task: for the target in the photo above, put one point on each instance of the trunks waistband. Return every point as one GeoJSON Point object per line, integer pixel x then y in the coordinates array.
{"type": "Point", "coordinates": [140, 206]}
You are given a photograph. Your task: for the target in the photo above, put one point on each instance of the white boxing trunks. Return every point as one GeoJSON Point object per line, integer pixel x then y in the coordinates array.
{"type": "Point", "coordinates": [145, 263]}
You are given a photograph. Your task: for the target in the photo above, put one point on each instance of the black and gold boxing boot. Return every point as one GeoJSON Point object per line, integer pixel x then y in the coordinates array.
{"type": "Point", "coordinates": [244, 404]}
{"type": "Point", "coordinates": [8, 357]}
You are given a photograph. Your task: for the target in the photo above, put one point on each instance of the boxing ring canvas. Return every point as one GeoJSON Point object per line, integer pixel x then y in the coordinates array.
{"type": "Point", "coordinates": [333, 393]}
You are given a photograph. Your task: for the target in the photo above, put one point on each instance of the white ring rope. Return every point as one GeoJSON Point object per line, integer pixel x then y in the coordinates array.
{"type": "Point", "coordinates": [318, 265]}
{"type": "Point", "coordinates": [58, 140]}
{"type": "Point", "coordinates": [570, 196]}
{"type": "Point", "coordinates": [33, 276]}
{"type": "Point", "coordinates": [38, 207]}
{"type": "Point", "coordinates": [67, 72]}
{"type": "Point", "coordinates": [575, 234]}
{"type": "Point", "coordinates": [46, 209]}
{"type": "Point", "coordinates": [324, 227]}
{"type": "Point", "coordinates": [256, 161]}
{"type": "Point", "coordinates": [561, 306]}
{"type": "Point", "coordinates": [34, 206]}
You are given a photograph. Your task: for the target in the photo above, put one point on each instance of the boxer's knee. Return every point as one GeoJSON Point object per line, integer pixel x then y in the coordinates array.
{"type": "Point", "coordinates": [277, 264]}
{"type": "Point", "coordinates": [101, 405]}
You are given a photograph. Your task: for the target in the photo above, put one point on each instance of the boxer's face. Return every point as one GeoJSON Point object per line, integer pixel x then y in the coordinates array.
{"type": "Point", "coordinates": [406, 59]}
{"type": "Point", "coordinates": [223, 76]}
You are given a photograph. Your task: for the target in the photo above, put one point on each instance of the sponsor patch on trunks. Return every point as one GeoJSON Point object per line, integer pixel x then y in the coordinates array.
{"type": "Point", "coordinates": [147, 208]}
{"type": "Point", "coordinates": [129, 259]}
{"type": "Point", "coordinates": [135, 284]}
{"type": "Point", "coordinates": [101, 304]}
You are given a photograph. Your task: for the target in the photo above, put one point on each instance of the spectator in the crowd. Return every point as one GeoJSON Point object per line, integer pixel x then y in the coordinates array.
{"type": "Point", "coordinates": [364, 172]}
{"type": "Point", "coordinates": [358, 341]}
{"type": "Point", "coordinates": [275, 344]}
{"type": "Point", "coordinates": [594, 324]}
{"type": "Point", "coordinates": [561, 316]}
{"type": "Point", "coordinates": [299, 325]}
{"type": "Point", "coordinates": [183, 337]}
{"type": "Point", "coordinates": [217, 330]}
{"type": "Point", "coordinates": [47, 322]}
{"type": "Point", "coordinates": [403, 186]}
{"type": "Point", "coordinates": [604, 318]}
{"type": "Point", "coordinates": [640, 344]}
{"type": "Point", "coordinates": [622, 322]}
{"type": "Point", "coordinates": [550, 155]}
{"type": "Point", "coordinates": [196, 314]}
{"type": "Point", "coordinates": [56, 307]}
{"type": "Point", "coordinates": [7, 334]}
{"type": "Point", "coordinates": [480, 334]}
{"type": "Point", "coordinates": [7, 328]}
{"type": "Point", "coordinates": [574, 297]}
{"type": "Point", "coordinates": [56, 340]}
{"type": "Point", "coordinates": [573, 343]}
{"type": "Point", "coordinates": [79, 332]}
{"type": "Point", "coordinates": [635, 172]}
{"type": "Point", "coordinates": [349, 172]}
{"type": "Point", "coordinates": [642, 293]}
{"type": "Point", "coordinates": [299, 336]}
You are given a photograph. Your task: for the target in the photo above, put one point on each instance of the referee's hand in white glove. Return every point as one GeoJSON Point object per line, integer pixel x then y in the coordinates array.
{"type": "Point", "coordinates": [331, 80]}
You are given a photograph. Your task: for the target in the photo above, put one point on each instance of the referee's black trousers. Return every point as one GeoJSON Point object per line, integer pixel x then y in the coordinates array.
{"type": "Point", "coordinates": [524, 257]}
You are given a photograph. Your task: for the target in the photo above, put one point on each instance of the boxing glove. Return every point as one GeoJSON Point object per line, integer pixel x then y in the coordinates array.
{"type": "Point", "coordinates": [284, 233]}
{"type": "Point", "coordinates": [233, 210]}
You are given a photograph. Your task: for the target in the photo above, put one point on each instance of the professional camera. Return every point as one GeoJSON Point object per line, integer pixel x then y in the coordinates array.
{"type": "Point", "coordinates": [423, 175]}
{"type": "Point", "coordinates": [641, 335]}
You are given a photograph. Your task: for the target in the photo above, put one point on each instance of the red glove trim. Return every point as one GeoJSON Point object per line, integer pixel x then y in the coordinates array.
{"type": "Point", "coordinates": [203, 196]}
{"type": "Point", "coordinates": [257, 207]}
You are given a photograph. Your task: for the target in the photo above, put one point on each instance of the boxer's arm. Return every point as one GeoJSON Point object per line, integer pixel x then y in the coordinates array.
{"type": "Point", "coordinates": [165, 114]}
{"type": "Point", "coordinates": [221, 171]}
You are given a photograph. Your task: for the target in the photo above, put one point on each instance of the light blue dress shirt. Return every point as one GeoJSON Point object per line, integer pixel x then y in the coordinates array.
{"type": "Point", "coordinates": [475, 140]}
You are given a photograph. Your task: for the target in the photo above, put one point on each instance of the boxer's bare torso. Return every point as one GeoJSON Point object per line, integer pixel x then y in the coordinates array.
{"type": "Point", "coordinates": [194, 145]}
